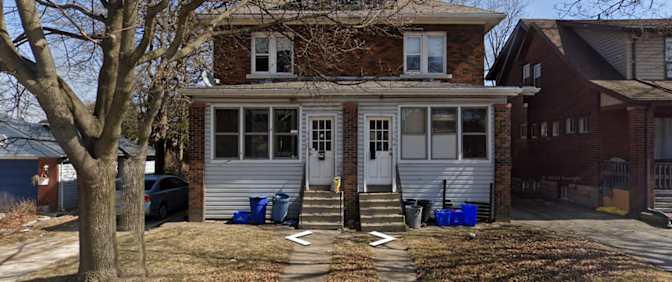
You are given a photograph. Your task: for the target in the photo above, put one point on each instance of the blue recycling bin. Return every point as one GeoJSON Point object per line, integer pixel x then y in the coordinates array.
{"type": "Point", "coordinates": [470, 214]}
{"type": "Point", "coordinates": [442, 217]}
{"type": "Point", "coordinates": [258, 210]}
{"type": "Point", "coordinates": [241, 217]}
{"type": "Point", "coordinates": [280, 207]}
{"type": "Point", "coordinates": [457, 217]}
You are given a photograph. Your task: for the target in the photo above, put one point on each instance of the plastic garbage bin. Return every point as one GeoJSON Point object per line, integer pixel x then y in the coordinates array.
{"type": "Point", "coordinates": [280, 207]}
{"type": "Point", "coordinates": [442, 217]}
{"type": "Point", "coordinates": [258, 208]}
{"type": "Point", "coordinates": [470, 214]}
{"type": "Point", "coordinates": [457, 217]}
{"type": "Point", "coordinates": [413, 216]}
{"type": "Point", "coordinates": [408, 202]}
{"type": "Point", "coordinates": [426, 209]}
{"type": "Point", "coordinates": [241, 217]}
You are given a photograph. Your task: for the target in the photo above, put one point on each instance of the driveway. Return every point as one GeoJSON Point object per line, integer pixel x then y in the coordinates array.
{"type": "Point", "coordinates": [648, 243]}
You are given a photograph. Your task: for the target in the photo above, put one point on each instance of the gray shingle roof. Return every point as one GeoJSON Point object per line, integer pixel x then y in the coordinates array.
{"type": "Point", "coordinates": [639, 90]}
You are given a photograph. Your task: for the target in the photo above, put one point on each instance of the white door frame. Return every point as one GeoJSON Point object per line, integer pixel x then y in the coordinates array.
{"type": "Point", "coordinates": [393, 147]}
{"type": "Point", "coordinates": [309, 135]}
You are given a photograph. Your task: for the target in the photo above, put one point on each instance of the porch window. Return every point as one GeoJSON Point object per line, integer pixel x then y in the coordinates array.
{"type": "Point", "coordinates": [444, 133]}
{"type": "Point", "coordinates": [584, 125]}
{"type": "Point", "coordinates": [663, 139]}
{"type": "Point", "coordinates": [271, 54]}
{"type": "Point", "coordinates": [425, 53]}
{"type": "Point", "coordinates": [256, 133]}
{"type": "Point", "coordinates": [556, 128]}
{"type": "Point", "coordinates": [668, 58]}
{"type": "Point", "coordinates": [226, 133]}
{"type": "Point", "coordinates": [285, 134]}
{"type": "Point", "coordinates": [474, 133]}
{"type": "Point", "coordinates": [570, 126]}
{"type": "Point", "coordinates": [414, 133]}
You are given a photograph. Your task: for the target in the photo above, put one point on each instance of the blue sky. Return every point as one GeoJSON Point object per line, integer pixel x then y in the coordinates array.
{"type": "Point", "coordinates": [548, 9]}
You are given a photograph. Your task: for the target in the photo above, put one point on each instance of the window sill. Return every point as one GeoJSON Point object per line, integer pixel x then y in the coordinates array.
{"type": "Point", "coordinates": [269, 75]}
{"type": "Point", "coordinates": [426, 76]}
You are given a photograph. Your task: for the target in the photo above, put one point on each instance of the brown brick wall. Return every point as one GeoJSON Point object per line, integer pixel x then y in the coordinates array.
{"type": "Point", "coordinates": [350, 196]}
{"type": "Point", "coordinates": [383, 56]}
{"type": "Point", "coordinates": [503, 162]}
{"type": "Point", "coordinates": [642, 142]}
{"type": "Point", "coordinates": [47, 195]}
{"type": "Point", "coordinates": [196, 160]}
{"type": "Point", "coordinates": [570, 158]}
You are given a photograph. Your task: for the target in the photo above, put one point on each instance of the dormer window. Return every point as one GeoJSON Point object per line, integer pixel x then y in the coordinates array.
{"type": "Point", "coordinates": [272, 54]}
{"type": "Point", "coordinates": [527, 75]}
{"type": "Point", "coordinates": [425, 53]}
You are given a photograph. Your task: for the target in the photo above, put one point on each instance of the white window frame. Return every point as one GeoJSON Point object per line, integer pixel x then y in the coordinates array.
{"type": "Point", "coordinates": [570, 126]}
{"type": "Point", "coordinates": [523, 131]}
{"type": "Point", "coordinates": [272, 55]}
{"type": "Point", "coordinates": [584, 125]}
{"type": "Point", "coordinates": [544, 129]}
{"type": "Point", "coordinates": [527, 73]}
{"type": "Point", "coordinates": [241, 133]}
{"type": "Point", "coordinates": [556, 128]}
{"type": "Point", "coordinates": [536, 74]}
{"type": "Point", "coordinates": [424, 53]}
{"type": "Point", "coordinates": [460, 158]}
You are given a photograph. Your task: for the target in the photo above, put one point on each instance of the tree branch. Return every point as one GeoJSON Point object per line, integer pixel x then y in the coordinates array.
{"type": "Point", "coordinates": [72, 6]}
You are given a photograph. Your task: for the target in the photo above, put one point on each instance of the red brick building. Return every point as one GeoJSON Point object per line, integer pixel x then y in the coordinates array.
{"type": "Point", "coordinates": [599, 132]}
{"type": "Point", "coordinates": [402, 111]}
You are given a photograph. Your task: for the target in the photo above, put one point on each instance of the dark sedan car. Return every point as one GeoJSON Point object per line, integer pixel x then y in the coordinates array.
{"type": "Point", "coordinates": [163, 194]}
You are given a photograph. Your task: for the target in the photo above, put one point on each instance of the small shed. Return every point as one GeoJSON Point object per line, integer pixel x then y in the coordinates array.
{"type": "Point", "coordinates": [34, 167]}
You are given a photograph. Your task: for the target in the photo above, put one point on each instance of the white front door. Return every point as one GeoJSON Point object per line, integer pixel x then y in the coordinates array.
{"type": "Point", "coordinates": [321, 155]}
{"type": "Point", "coordinates": [379, 152]}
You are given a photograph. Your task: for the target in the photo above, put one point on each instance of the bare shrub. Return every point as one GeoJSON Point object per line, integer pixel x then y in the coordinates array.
{"type": "Point", "coordinates": [17, 213]}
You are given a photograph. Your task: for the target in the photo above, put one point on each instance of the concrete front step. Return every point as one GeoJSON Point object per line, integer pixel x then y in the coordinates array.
{"type": "Point", "coordinates": [666, 199]}
{"type": "Point", "coordinates": [379, 203]}
{"type": "Point", "coordinates": [397, 227]}
{"type": "Point", "coordinates": [390, 218]}
{"type": "Point", "coordinates": [661, 192]}
{"type": "Point", "coordinates": [320, 209]}
{"type": "Point", "coordinates": [321, 217]}
{"type": "Point", "coordinates": [379, 196]}
{"type": "Point", "coordinates": [321, 202]}
{"type": "Point", "coordinates": [316, 225]}
{"type": "Point", "coordinates": [662, 205]}
{"type": "Point", "coordinates": [382, 211]}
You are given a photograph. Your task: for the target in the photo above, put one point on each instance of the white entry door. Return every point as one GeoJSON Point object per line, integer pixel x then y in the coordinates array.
{"type": "Point", "coordinates": [379, 152]}
{"type": "Point", "coordinates": [321, 155]}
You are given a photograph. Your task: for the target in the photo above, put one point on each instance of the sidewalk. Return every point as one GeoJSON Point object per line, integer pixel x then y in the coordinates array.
{"type": "Point", "coordinates": [16, 261]}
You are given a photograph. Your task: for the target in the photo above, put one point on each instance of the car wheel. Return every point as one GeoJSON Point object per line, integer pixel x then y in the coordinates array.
{"type": "Point", "coordinates": [163, 211]}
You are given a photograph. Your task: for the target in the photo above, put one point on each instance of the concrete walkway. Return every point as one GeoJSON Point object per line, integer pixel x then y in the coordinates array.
{"type": "Point", "coordinates": [393, 263]}
{"type": "Point", "coordinates": [19, 260]}
{"type": "Point", "coordinates": [648, 243]}
{"type": "Point", "coordinates": [311, 263]}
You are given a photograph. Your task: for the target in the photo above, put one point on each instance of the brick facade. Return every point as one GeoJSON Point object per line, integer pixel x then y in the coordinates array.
{"type": "Point", "coordinates": [642, 159]}
{"type": "Point", "coordinates": [350, 195]}
{"type": "Point", "coordinates": [196, 160]}
{"type": "Point", "coordinates": [381, 55]}
{"type": "Point", "coordinates": [47, 195]}
{"type": "Point", "coordinates": [503, 162]}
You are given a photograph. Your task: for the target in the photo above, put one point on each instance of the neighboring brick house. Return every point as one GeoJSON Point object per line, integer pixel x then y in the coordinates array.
{"type": "Point", "coordinates": [599, 132]}
{"type": "Point", "coordinates": [410, 112]}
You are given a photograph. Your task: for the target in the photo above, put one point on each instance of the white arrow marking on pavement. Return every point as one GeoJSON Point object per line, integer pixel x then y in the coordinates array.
{"type": "Point", "coordinates": [295, 238]}
{"type": "Point", "coordinates": [386, 238]}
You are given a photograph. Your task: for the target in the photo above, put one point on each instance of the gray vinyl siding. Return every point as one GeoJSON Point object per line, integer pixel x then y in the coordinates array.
{"type": "Point", "coordinates": [228, 185]}
{"type": "Point", "coordinates": [68, 186]}
{"type": "Point", "coordinates": [650, 58]}
{"type": "Point", "coordinates": [614, 46]}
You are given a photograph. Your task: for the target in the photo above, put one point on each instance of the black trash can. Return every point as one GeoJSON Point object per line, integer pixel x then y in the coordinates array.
{"type": "Point", "coordinates": [408, 202]}
{"type": "Point", "coordinates": [413, 216]}
{"type": "Point", "coordinates": [280, 207]}
{"type": "Point", "coordinates": [426, 209]}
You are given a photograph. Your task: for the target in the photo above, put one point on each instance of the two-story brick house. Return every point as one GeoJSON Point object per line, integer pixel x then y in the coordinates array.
{"type": "Point", "coordinates": [599, 132]}
{"type": "Point", "coordinates": [401, 116]}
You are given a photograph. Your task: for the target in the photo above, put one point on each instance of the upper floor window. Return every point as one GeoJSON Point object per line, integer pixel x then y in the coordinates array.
{"type": "Point", "coordinates": [556, 128]}
{"type": "Point", "coordinates": [523, 131]}
{"type": "Point", "coordinates": [527, 74]}
{"type": "Point", "coordinates": [544, 129]}
{"type": "Point", "coordinates": [271, 54]}
{"type": "Point", "coordinates": [534, 131]}
{"type": "Point", "coordinates": [536, 73]}
{"type": "Point", "coordinates": [584, 125]}
{"type": "Point", "coordinates": [570, 126]}
{"type": "Point", "coordinates": [668, 58]}
{"type": "Point", "coordinates": [425, 53]}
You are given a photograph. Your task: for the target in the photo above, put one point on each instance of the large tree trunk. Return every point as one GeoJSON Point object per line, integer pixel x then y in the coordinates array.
{"type": "Point", "coordinates": [132, 217]}
{"type": "Point", "coordinates": [97, 222]}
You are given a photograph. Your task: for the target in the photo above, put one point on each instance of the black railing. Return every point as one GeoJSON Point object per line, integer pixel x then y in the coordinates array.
{"type": "Point", "coordinates": [615, 174]}
{"type": "Point", "coordinates": [663, 172]}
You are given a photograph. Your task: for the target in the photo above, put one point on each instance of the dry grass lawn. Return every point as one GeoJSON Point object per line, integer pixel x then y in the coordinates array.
{"type": "Point", "coordinates": [516, 253]}
{"type": "Point", "coordinates": [352, 259]}
{"type": "Point", "coordinates": [200, 252]}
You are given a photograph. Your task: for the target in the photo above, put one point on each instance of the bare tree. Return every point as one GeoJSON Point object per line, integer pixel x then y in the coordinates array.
{"type": "Point", "coordinates": [123, 34]}
{"type": "Point", "coordinates": [603, 9]}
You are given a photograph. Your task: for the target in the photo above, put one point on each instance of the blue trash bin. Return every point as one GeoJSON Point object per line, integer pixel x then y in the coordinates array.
{"type": "Point", "coordinates": [280, 207]}
{"type": "Point", "coordinates": [241, 217]}
{"type": "Point", "coordinates": [258, 210]}
{"type": "Point", "coordinates": [442, 217]}
{"type": "Point", "coordinates": [470, 214]}
{"type": "Point", "coordinates": [457, 217]}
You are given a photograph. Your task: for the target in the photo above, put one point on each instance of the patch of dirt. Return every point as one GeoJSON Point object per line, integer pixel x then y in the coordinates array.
{"type": "Point", "coordinates": [517, 253]}
{"type": "Point", "coordinates": [198, 252]}
{"type": "Point", "coordinates": [353, 259]}
{"type": "Point", "coordinates": [34, 227]}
